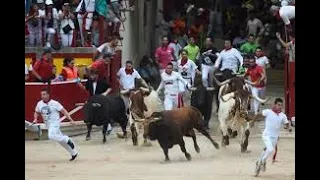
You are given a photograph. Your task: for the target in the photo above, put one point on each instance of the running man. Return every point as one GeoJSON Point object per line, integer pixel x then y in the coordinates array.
{"type": "Point", "coordinates": [170, 83]}
{"type": "Point", "coordinates": [270, 135]}
{"type": "Point", "coordinates": [50, 111]}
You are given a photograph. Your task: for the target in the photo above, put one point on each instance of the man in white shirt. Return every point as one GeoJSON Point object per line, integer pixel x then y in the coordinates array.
{"type": "Point", "coordinates": [85, 12]}
{"type": "Point", "coordinates": [253, 24]}
{"type": "Point", "coordinates": [126, 78]}
{"type": "Point", "coordinates": [229, 58]}
{"type": "Point", "coordinates": [274, 119]}
{"type": "Point", "coordinates": [50, 111]}
{"type": "Point", "coordinates": [170, 83]}
{"type": "Point", "coordinates": [286, 13]}
{"type": "Point", "coordinates": [108, 47]}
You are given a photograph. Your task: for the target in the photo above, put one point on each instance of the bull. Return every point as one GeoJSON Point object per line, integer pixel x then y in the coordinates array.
{"type": "Point", "coordinates": [143, 102]}
{"type": "Point", "coordinates": [100, 109]}
{"type": "Point", "coordinates": [169, 127]}
{"type": "Point", "coordinates": [233, 114]}
{"type": "Point", "coordinates": [201, 99]}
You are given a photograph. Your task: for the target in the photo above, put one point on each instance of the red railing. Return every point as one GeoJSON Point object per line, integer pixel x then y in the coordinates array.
{"type": "Point", "coordinates": [289, 70]}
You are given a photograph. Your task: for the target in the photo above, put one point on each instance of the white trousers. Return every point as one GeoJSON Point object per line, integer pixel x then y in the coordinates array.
{"type": "Point", "coordinates": [207, 73]}
{"type": "Point", "coordinates": [171, 101]}
{"type": "Point", "coordinates": [87, 25]}
{"type": "Point", "coordinates": [270, 144]}
{"type": "Point", "coordinates": [54, 133]}
{"type": "Point", "coordinates": [254, 103]}
{"type": "Point", "coordinates": [30, 126]}
{"type": "Point", "coordinates": [184, 91]}
{"type": "Point", "coordinates": [66, 39]}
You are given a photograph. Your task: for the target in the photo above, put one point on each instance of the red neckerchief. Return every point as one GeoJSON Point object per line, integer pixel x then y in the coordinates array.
{"type": "Point", "coordinates": [184, 61]}
{"type": "Point", "coordinates": [46, 101]}
{"type": "Point", "coordinates": [227, 49]}
{"type": "Point", "coordinates": [129, 71]}
{"type": "Point", "coordinates": [276, 111]}
{"type": "Point", "coordinates": [293, 41]}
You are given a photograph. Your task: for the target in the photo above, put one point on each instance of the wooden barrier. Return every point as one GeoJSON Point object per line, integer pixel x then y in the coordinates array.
{"type": "Point", "coordinates": [289, 75]}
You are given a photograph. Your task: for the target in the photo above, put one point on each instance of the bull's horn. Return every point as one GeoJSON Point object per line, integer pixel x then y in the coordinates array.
{"type": "Point", "coordinates": [139, 120]}
{"type": "Point", "coordinates": [231, 96]}
{"type": "Point", "coordinates": [124, 91]}
{"type": "Point", "coordinates": [260, 100]}
{"type": "Point", "coordinates": [193, 88]}
{"type": "Point", "coordinates": [96, 104]}
{"type": "Point", "coordinates": [145, 89]}
{"type": "Point", "coordinates": [249, 82]}
{"type": "Point", "coordinates": [220, 83]}
{"type": "Point", "coordinates": [210, 88]}
{"type": "Point", "coordinates": [155, 119]}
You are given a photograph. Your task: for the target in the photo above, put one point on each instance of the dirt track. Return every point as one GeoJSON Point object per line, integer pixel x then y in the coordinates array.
{"type": "Point", "coordinates": [119, 160]}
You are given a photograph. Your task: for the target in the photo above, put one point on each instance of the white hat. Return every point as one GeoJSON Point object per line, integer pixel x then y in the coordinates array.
{"type": "Point", "coordinates": [284, 3]}
{"type": "Point", "coordinates": [49, 2]}
{"type": "Point", "coordinates": [40, 1]}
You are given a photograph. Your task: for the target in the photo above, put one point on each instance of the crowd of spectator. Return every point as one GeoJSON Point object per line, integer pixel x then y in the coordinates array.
{"type": "Point", "coordinates": [75, 23]}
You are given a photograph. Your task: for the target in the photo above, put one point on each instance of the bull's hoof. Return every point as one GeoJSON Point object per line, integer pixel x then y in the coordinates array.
{"type": "Point", "coordinates": [216, 145]}
{"type": "Point", "coordinates": [104, 141]}
{"type": "Point", "coordinates": [166, 161]}
{"type": "Point", "coordinates": [135, 142]}
{"type": "Point", "coordinates": [245, 151]}
{"type": "Point", "coordinates": [197, 149]}
{"type": "Point", "coordinates": [225, 140]}
{"type": "Point", "coordinates": [88, 138]}
{"type": "Point", "coordinates": [234, 134]}
{"type": "Point", "coordinates": [147, 144]}
{"type": "Point", "coordinates": [188, 156]}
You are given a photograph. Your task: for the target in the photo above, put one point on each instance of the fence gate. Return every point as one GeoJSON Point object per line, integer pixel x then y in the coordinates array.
{"type": "Point", "coordinates": [290, 83]}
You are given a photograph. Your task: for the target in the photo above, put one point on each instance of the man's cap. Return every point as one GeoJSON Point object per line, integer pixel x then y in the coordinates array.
{"type": "Point", "coordinates": [49, 2]}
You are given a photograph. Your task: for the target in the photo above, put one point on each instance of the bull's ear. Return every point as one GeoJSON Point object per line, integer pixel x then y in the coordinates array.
{"type": "Point", "coordinates": [145, 107]}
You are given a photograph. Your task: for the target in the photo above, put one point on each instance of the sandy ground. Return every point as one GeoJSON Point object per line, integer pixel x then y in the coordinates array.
{"type": "Point", "coordinates": [119, 160]}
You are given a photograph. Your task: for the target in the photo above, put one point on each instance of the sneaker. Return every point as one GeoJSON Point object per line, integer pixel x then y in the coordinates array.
{"type": "Point", "coordinates": [257, 170]}
{"type": "Point", "coordinates": [73, 157]}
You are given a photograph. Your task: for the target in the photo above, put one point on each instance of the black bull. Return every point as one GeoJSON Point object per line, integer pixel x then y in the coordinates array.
{"type": "Point", "coordinates": [100, 109]}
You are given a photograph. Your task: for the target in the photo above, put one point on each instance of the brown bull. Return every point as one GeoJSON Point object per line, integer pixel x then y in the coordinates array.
{"type": "Point", "coordinates": [169, 127]}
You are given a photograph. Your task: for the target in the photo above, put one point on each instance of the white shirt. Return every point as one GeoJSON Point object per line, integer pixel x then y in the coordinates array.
{"type": "Point", "coordinates": [170, 83]}
{"type": "Point", "coordinates": [262, 61]}
{"type": "Point", "coordinates": [26, 69]}
{"type": "Point", "coordinates": [253, 26]}
{"type": "Point", "coordinates": [66, 21]}
{"type": "Point", "coordinates": [55, 17]}
{"type": "Point", "coordinates": [176, 48]}
{"type": "Point", "coordinates": [127, 80]}
{"type": "Point", "coordinates": [50, 112]}
{"type": "Point", "coordinates": [287, 13]}
{"type": "Point", "coordinates": [273, 123]}
{"type": "Point", "coordinates": [188, 70]}
{"type": "Point", "coordinates": [94, 87]}
{"type": "Point", "coordinates": [230, 59]}
{"type": "Point", "coordinates": [106, 48]}
{"type": "Point", "coordinates": [89, 5]}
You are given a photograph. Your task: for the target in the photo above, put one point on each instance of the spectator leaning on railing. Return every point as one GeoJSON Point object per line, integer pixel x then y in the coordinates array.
{"type": "Point", "coordinates": [108, 47]}
{"type": "Point", "coordinates": [69, 72]}
{"type": "Point", "coordinates": [42, 70]}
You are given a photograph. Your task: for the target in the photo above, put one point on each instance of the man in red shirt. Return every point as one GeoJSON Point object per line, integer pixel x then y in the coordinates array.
{"type": "Point", "coordinates": [102, 65]}
{"type": "Point", "coordinates": [164, 54]}
{"type": "Point", "coordinates": [256, 74]}
{"type": "Point", "coordinates": [42, 69]}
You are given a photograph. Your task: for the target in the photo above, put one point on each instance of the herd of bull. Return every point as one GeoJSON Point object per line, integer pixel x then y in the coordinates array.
{"type": "Point", "coordinates": [169, 126]}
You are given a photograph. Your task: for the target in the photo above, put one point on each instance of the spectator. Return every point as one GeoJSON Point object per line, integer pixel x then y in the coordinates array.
{"type": "Point", "coordinates": [192, 49]}
{"type": "Point", "coordinates": [176, 50]}
{"type": "Point", "coordinates": [179, 25]}
{"type": "Point", "coordinates": [67, 25]}
{"type": "Point", "coordinates": [34, 23]}
{"type": "Point", "coordinates": [69, 72]}
{"type": "Point", "coordinates": [26, 72]}
{"type": "Point", "coordinates": [85, 10]}
{"type": "Point", "coordinates": [114, 20]}
{"type": "Point", "coordinates": [239, 40]}
{"type": "Point", "coordinates": [50, 22]}
{"type": "Point", "coordinates": [143, 69]}
{"type": "Point", "coordinates": [286, 13]}
{"type": "Point", "coordinates": [42, 70]}
{"type": "Point", "coordinates": [250, 46]}
{"type": "Point", "coordinates": [253, 25]}
{"type": "Point", "coordinates": [195, 30]}
{"type": "Point", "coordinates": [102, 65]}
{"type": "Point", "coordinates": [108, 47]}
{"type": "Point", "coordinates": [102, 11]}
{"type": "Point", "coordinates": [54, 77]}
{"type": "Point", "coordinates": [164, 54]}
{"type": "Point", "coordinates": [95, 31]}
{"type": "Point", "coordinates": [290, 45]}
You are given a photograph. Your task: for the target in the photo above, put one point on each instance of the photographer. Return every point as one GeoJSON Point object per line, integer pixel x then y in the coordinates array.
{"type": "Point", "coordinates": [67, 25]}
